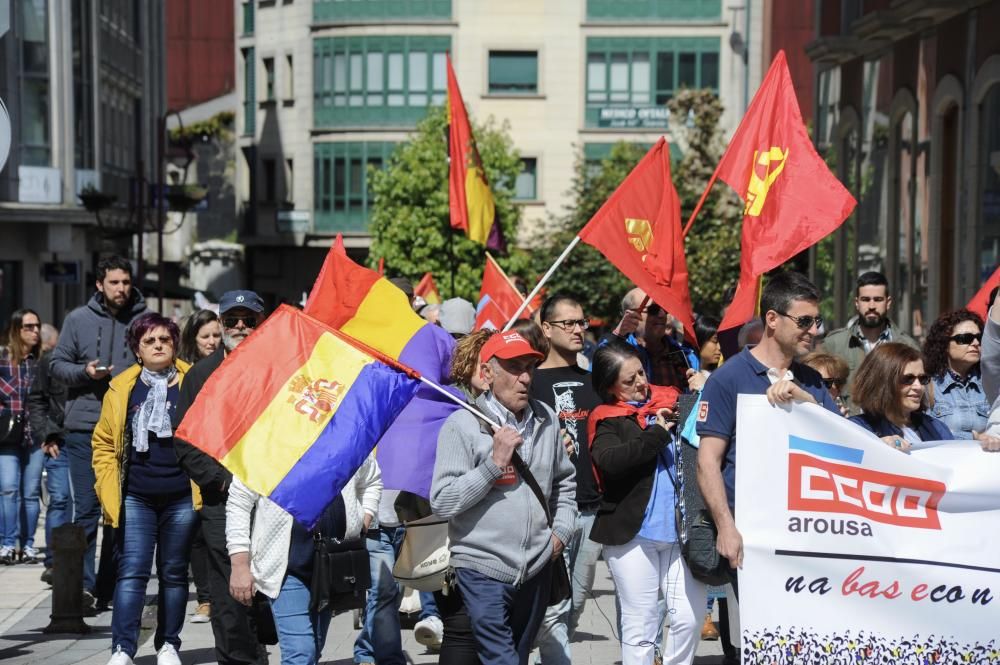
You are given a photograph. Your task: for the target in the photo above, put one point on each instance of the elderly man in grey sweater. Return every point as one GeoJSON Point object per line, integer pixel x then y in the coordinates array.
{"type": "Point", "coordinates": [502, 547]}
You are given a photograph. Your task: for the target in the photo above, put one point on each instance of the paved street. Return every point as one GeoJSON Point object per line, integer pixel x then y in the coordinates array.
{"type": "Point", "coordinates": [25, 607]}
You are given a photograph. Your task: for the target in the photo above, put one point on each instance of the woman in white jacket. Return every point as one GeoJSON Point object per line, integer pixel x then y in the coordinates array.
{"type": "Point", "coordinates": [273, 555]}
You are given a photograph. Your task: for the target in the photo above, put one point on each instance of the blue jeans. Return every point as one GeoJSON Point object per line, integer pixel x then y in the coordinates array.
{"type": "Point", "coordinates": [20, 494]}
{"type": "Point", "coordinates": [301, 633]}
{"type": "Point", "coordinates": [380, 640]}
{"type": "Point", "coordinates": [504, 617]}
{"type": "Point", "coordinates": [428, 606]}
{"type": "Point", "coordinates": [60, 510]}
{"type": "Point", "coordinates": [86, 507]}
{"type": "Point", "coordinates": [164, 526]}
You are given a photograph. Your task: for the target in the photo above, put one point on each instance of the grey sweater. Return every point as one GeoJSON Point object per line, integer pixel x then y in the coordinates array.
{"type": "Point", "coordinates": [90, 333]}
{"type": "Point", "coordinates": [501, 530]}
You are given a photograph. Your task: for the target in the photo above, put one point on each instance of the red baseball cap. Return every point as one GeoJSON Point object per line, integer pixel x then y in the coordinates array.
{"type": "Point", "coordinates": [507, 345]}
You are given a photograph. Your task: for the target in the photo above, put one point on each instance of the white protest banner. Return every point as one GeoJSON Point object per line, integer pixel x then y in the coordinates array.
{"type": "Point", "coordinates": [858, 553]}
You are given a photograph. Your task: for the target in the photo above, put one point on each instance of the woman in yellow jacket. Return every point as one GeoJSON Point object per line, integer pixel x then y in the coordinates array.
{"type": "Point", "coordinates": [145, 494]}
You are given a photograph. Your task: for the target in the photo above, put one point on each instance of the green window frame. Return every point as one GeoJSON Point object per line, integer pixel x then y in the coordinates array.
{"type": "Point", "coordinates": [513, 72]}
{"type": "Point", "coordinates": [645, 72]}
{"type": "Point", "coordinates": [378, 80]}
{"type": "Point", "coordinates": [664, 10]}
{"type": "Point", "coordinates": [249, 92]}
{"type": "Point", "coordinates": [526, 184]}
{"type": "Point", "coordinates": [378, 11]}
{"type": "Point", "coordinates": [248, 17]}
{"type": "Point", "coordinates": [342, 197]}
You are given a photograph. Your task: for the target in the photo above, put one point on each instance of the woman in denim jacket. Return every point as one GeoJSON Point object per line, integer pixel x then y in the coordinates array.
{"type": "Point", "coordinates": [952, 354]}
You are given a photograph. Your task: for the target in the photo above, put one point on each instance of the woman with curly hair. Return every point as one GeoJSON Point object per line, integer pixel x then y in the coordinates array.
{"type": "Point", "coordinates": [951, 354]}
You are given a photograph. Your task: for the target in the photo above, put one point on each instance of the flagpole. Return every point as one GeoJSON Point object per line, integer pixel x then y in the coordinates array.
{"type": "Point", "coordinates": [701, 202]}
{"type": "Point", "coordinates": [541, 282]}
{"type": "Point", "coordinates": [461, 402]}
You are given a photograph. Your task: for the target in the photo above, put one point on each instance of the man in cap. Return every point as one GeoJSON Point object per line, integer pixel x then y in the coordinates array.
{"type": "Point", "coordinates": [241, 312]}
{"type": "Point", "coordinates": [502, 547]}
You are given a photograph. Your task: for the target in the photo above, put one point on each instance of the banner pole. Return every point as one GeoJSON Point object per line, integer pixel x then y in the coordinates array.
{"type": "Point", "coordinates": [701, 202]}
{"type": "Point", "coordinates": [541, 282]}
{"type": "Point", "coordinates": [461, 402]}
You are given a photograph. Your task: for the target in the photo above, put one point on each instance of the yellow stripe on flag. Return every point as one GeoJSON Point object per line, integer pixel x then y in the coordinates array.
{"type": "Point", "coordinates": [479, 202]}
{"type": "Point", "coordinates": [368, 323]}
{"type": "Point", "coordinates": [297, 415]}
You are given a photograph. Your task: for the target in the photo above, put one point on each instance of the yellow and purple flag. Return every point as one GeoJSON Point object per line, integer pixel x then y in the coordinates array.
{"type": "Point", "coordinates": [294, 411]}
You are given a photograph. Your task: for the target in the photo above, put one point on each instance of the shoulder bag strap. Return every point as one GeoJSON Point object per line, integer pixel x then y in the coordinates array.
{"type": "Point", "coordinates": [529, 478]}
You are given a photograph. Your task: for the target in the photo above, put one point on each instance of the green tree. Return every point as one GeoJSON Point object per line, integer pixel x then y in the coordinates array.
{"type": "Point", "coordinates": [410, 221]}
{"type": "Point", "coordinates": [712, 247]}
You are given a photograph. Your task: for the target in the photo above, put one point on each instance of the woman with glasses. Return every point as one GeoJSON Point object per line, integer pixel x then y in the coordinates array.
{"type": "Point", "coordinates": [834, 371]}
{"type": "Point", "coordinates": [952, 353]}
{"type": "Point", "coordinates": [145, 494]}
{"type": "Point", "coordinates": [21, 460]}
{"type": "Point", "coordinates": [890, 386]}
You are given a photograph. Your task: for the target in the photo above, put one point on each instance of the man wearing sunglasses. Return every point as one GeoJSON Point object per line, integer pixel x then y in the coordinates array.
{"type": "Point", "coordinates": [870, 328]}
{"type": "Point", "coordinates": [789, 308]}
{"type": "Point", "coordinates": [241, 312]}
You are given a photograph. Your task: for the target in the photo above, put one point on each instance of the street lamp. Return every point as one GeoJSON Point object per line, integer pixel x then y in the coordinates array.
{"type": "Point", "coordinates": [186, 157]}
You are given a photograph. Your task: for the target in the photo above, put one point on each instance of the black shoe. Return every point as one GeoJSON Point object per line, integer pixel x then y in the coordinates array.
{"type": "Point", "coordinates": [8, 557]}
{"type": "Point", "coordinates": [47, 576]}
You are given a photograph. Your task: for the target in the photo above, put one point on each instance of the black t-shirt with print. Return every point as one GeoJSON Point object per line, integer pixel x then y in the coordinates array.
{"type": "Point", "coordinates": [568, 390]}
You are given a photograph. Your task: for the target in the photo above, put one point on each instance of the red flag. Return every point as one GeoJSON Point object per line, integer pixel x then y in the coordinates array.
{"type": "Point", "coordinates": [338, 244]}
{"type": "Point", "coordinates": [428, 290]}
{"type": "Point", "coordinates": [980, 302]}
{"type": "Point", "coordinates": [470, 200]}
{"type": "Point", "coordinates": [638, 229]}
{"type": "Point", "coordinates": [498, 288]}
{"type": "Point", "coordinates": [488, 315]}
{"type": "Point", "coordinates": [792, 200]}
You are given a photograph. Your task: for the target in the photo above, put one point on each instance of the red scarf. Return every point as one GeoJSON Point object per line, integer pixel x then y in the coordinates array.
{"type": "Point", "coordinates": [660, 397]}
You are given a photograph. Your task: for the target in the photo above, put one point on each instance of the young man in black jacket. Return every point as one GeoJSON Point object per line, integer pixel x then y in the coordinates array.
{"type": "Point", "coordinates": [235, 634]}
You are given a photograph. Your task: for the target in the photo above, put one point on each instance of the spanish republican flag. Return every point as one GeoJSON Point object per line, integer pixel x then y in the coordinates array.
{"type": "Point", "coordinates": [295, 410]}
{"type": "Point", "coordinates": [428, 290]}
{"type": "Point", "coordinates": [638, 229]}
{"type": "Point", "coordinates": [469, 197]}
{"type": "Point", "coordinates": [361, 303]}
{"type": "Point", "coordinates": [792, 201]}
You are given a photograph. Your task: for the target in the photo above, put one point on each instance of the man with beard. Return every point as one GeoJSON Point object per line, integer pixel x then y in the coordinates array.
{"type": "Point", "coordinates": [235, 635]}
{"type": "Point", "coordinates": [867, 330]}
{"type": "Point", "coordinates": [90, 351]}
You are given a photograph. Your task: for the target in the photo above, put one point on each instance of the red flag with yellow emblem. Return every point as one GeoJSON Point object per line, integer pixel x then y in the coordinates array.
{"type": "Point", "coordinates": [638, 229]}
{"type": "Point", "coordinates": [792, 201]}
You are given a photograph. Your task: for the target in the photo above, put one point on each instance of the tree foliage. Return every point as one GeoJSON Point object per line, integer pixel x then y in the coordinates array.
{"type": "Point", "coordinates": [410, 221]}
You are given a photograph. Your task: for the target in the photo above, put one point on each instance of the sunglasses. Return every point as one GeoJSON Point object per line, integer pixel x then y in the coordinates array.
{"type": "Point", "coordinates": [965, 339]}
{"type": "Point", "coordinates": [233, 321]}
{"type": "Point", "coordinates": [834, 383]}
{"type": "Point", "coordinates": [31, 326]}
{"type": "Point", "coordinates": [803, 322]}
{"type": "Point", "coordinates": [908, 379]}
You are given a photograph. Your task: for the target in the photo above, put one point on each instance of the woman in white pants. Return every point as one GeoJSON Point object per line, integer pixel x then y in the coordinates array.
{"type": "Point", "coordinates": [630, 448]}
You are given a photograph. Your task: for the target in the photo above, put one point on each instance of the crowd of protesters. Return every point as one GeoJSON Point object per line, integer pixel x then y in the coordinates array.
{"type": "Point", "coordinates": [582, 466]}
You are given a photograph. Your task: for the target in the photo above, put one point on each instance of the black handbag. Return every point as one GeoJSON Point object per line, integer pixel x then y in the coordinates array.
{"type": "Point", "coordinates": [11, 428]}
{"type": "Point", "coordinates": [700, 554]}
{"type": "Point", "coordinates": [341, 574]}
{"type": "Point", "coordinates": [262, 619]}
{"type": "Point", "coordinates": [560, 588]}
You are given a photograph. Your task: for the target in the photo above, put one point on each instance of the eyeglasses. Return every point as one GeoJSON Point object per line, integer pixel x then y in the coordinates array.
{"type": "Point", "coordinates": [31, 326]}
{"type": "Point", "coordinates": [569, 324]}
{"type": "Point", "coordinates": [908, 379]}
{"type": "Point", "coordinates": [834, 383]}
{"type": "Point", "coordinates": [165, 340]}
{"type": "Point", "coordinates": [233, 321]}
{"type": "Point", "coordinates": [967, 338]}
{"type": "Point", "coordinates": [803, 322]}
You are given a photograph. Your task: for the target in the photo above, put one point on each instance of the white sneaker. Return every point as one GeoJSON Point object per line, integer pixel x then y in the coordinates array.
{"type": "Point", "coordinates": [429, 632]}
{"type": "Point", "coordinates": [167, 655]}
{"type": "Point", "coordinates": [120, 658]}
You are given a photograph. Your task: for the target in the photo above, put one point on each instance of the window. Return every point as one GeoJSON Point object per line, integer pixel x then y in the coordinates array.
{"type": "Point", "coordinates": [289, 78]}
{"type": "Point", "coordinates": [525, 187]}
{"type": "Point", "coordinates": [630, 80]}
{"type": "Point", "coordinates": [35, 136]}
{"type": "Point", "coordinates": [377, 81]}
{"type": "Point", "coordinates": [83, 87]}
{"type": "Point", "coordinates": [270, 181]}
{"type": "Point", "coordinates": [513, 72]}
{"type": "Point", "coordinates": [269, 78]}
{"type": "Point", "coordinates": [378, 11]}
{"type": "Point", "coordinates": [249, 93]}
{"type": "Point", "coordinates": [289, 181]}
{"type": "Point", "coordinates": [248, 17]}
{"type": "Point", "coordinates": [342, 196]}
{"type": "Point", "coordinates": [667, 10]}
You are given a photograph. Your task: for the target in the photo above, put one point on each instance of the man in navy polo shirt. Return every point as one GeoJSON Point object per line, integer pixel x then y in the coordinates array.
{"type": "Point", "coordinates": [790, 312]}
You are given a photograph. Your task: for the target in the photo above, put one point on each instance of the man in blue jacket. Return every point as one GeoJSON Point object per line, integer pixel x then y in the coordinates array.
{"type": "Point", "coordinates": [91, 350]}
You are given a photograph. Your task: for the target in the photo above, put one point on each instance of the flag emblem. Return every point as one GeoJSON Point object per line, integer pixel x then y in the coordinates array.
{"type": "Point", "coordinates": [759, 186]}
{"type": "Point", "coordinates": [640, 234]}
{"type": "Point", "coordinates": [314, 398]}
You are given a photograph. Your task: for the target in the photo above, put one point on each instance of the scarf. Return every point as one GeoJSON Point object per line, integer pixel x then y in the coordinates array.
{"type": "Point", "coordinates": [660, 397]}
{"type": "Point", "coordinates": [152, 415]}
